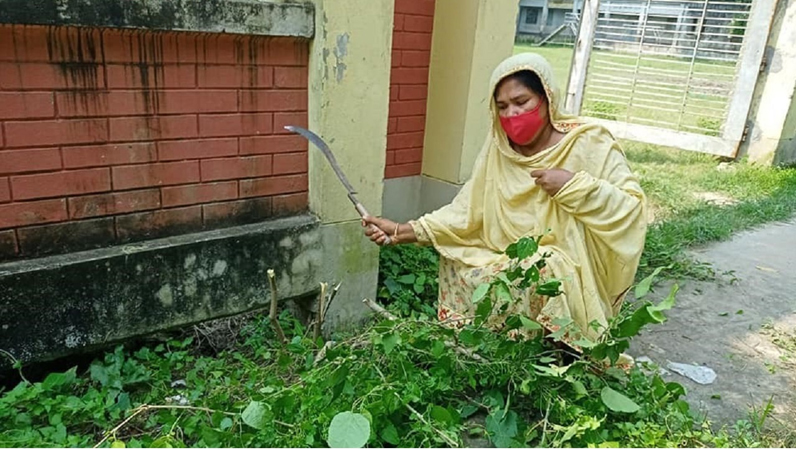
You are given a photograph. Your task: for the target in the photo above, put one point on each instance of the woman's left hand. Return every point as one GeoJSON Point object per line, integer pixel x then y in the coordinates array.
{"type": "Point", "coordinates": [552, 180]}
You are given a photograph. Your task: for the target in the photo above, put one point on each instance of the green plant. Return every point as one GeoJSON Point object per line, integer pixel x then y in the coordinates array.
{"type": "Point", "coordinates": [710, 126]}
{"type": "Point", "coordinates": [604, 110]}
{"type": "Point", "coordinates": [408, 279]}
{"type": "Point", "coordinates": [398, 382]}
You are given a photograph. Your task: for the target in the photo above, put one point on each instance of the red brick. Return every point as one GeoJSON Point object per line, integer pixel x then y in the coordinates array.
{"type": "Point", "coordinates": [168, 76]}
{"type": "Point", "coordinates": [232, 49]}
{"type": "Point", "coordinates": [109, 155]}
{"type": "Point", "coordinates": [407, 156]}
{"type": "Point", "coordinates": [23, 43]}
{"type": "Point", "coordinates": [239, 212]}
{"type": "Point", "coordinates": [290, 77]}
{"type": "Point", "coordinates": [272, 144]}
{"type": "Point", "coordinates": [409, 124]}
{"type": "Point", "coordinates": [260, 187]}
{"type": "Point", "coordinates": [148, 48]}
{"type": "Point", "coordinates": [164, 174]}
{"type": "Point", "coordinates": [289, 163]}
{"type": "Point", "coordinates": [204, 101]}
{"type": "Point", "coordinates": [255, 101]}
{"type": "Point", "coordinates": [419, 7]}
{"type": "Point", "coordinates": [31, 213]}
{"type": "Point", "coordinates": [411, 58]}
{"type": "Point", "coordinates": [26, 105]}
{"type": "Point", "coordinates": [409, 76]}
{"type": "Point", "coordinates": [395, 59]}
{"type": "Point", "coordinates": [390, 158]}
{"type": "Point", "coordinates": [73, 45]}
{"type": "Point", "coordinates": [400, 109]}
{"type": "Point", "coordinates": [217, 125]}
{"type": "Point", "coordinates": [56, 184]}
{"type": "Point", "coordinates": [281, 120]}
{"type": "Point", "coordinates": [288, 52]}
{"type": "Point", "coordinates": [290, 204]}
{"type": "Point", "coordinates": [39, 76]}
{"type": "Point", "coordinates": [398, 22]}
{"type": "Point", "coordinates": [394, 92]}
{"type": "Point", "coordinates": [5, 190]}
{"type": "Point", "coordinates": [56, 132]}
{"type": "Point", "coordinates": [404, 170]}
{"type": "Point", "coordinates": [113, 203]}
{"type": "Point", "coordinates": [236, 168]}
{"type": "Point", "coordinates": [66, 237]}
{"type": "Point", "coordinates": [422, 24]}
{"type": "Point", "coordinates": [404, 140]}
{"type": "Point", "coordinates": [413, 92]}
{"type": "Point", "coordinates": [160, 223]}
{"type": "Point", "coordinates": [403, 40]}
{"type": "Point", "coordinates": [149, 128]}
{"type": "Point", "coordinates": [199, 193]}
{"type": "Point", "coordinates": [207, 148]}
{"type": "Point", "coordinates": [21, 161]}
{"type": "Point", "coordinates": [392, 125]}
{"type": "Point", "coordinates": [115, 103]}
{"type": "Point", "coordinates": [235, 76]}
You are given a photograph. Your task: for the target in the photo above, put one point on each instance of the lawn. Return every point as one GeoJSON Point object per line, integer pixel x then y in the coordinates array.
{"type": "Point", "coordinates": [657, 97]}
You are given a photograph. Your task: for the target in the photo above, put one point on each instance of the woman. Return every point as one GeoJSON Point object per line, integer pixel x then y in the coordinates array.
{"type": "Point", "coordinates": [539, 170]}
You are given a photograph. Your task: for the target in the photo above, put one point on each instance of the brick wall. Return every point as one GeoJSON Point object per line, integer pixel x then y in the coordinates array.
{"type": "Point", "coordinates": [411, 55]}
{"type": "Point", "coordinates": [110, 136]}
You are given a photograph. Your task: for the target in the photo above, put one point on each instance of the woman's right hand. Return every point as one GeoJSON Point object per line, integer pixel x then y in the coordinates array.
{"type": "Point", "coordinates": [379, 234]}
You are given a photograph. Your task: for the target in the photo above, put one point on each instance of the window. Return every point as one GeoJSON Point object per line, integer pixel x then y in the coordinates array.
{"type": "Point", "coordinates": [532, 15]}
{"type": "Point", "coordinates": [550, 15]}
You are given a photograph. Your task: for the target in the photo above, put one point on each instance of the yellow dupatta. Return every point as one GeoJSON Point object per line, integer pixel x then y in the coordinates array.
{"type": "Point", "coordinates": [597, 222]}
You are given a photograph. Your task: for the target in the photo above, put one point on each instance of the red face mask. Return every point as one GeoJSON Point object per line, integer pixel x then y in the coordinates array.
{"type": "Point", "coordinates": [522, 128]}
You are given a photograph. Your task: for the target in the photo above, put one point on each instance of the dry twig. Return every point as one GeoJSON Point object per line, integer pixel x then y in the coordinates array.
{"type": "Point", "coordinates": [272, 315]}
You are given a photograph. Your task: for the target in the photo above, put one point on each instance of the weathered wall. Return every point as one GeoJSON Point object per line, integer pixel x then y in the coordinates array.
{"type": "Point", "coordinates": [53, 306]}
{"type": "Point", "coordinates": [411, 56]}
{"type": "Point", "coordinates": [294, 18]}
{"type": "Point", "coordinates": [110, 136]}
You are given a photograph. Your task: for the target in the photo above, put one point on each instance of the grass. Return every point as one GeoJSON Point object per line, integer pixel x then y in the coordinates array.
{"type": "Point", "coordinates": [694, 202]}
{"type": "Point", "coordinates": [606, 93]}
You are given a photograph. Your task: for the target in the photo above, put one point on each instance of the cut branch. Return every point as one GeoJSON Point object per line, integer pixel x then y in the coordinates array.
{"type": "Point", "coordinates": [456, 348]}
{"type": "Point", "coordinates": [280, 334]}
{"type": "Point", "coordinates": [320, 314]}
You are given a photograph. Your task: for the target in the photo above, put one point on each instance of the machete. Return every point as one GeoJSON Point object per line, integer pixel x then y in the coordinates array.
{"type": "Point", "coordinates": [327, 152]}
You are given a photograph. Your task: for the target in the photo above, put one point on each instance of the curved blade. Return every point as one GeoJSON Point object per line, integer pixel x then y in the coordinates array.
{"type": "Point", "coordinates": [318, 142]}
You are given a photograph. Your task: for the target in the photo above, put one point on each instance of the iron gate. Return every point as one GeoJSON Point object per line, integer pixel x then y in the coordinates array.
{"type": "Point", "coordinates": [671, 72]}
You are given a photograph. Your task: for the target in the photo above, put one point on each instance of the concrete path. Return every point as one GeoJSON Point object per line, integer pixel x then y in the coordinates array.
{"type": "Point", "coordinates": [743, 326]}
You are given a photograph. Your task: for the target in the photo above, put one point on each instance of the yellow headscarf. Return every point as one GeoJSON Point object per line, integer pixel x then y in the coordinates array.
{"type": "Point", "coordinates": [596, 220]}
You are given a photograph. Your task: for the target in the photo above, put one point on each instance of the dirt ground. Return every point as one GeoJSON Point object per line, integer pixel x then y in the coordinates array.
{"type": "Point", "coordinates": [743, 326]}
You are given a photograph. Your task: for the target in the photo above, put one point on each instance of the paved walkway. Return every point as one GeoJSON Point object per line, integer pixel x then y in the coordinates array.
{"type": "Point", "coordinates": [727, 326]}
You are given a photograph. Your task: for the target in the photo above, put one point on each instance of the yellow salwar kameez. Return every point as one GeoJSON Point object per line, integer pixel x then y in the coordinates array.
{"type": "Point", "coordinates": [594, 227]}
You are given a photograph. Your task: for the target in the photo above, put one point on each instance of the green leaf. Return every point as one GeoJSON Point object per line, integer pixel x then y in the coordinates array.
{"type": "Point", "coordinates": [481, 292]}
{"type": "Point", "coordinates": [226, 423]}
{"type": "Point", "coordinates": [407, 279]}
{"type": "Point", "coordinates": [503, 293]}
{"type": "Point", "coordinates": [441, 414]}
{"type": "Point", "coordinates": [162, 442]}
{"type": "Point", "coordinates": [529, 324]}
{"type": "Point", "coordinates": [502, 428]}
{"type": "Point", "coordinates": [483, 311]}
{"type": "Point", "coordinates": [644, 286]}
{"type": "Point", "coordinates": [118, 444]}
{"type": "Point", "coordinates": [550, 289]}
{"type": "Point", "coordinates": [584, 343]}
{"type": "Point", "coordinates": [349, 430]}
{"type": "Point", "coordinates": [579, 388]}
{"type": "Point", "coordinates": [389, 341]}
{"type": "Point", "coordinates": [522, 249]}
{"type": "Point", "coordinates": [390, 435]}
{"type": "Point", "coordinates": [532, 274]}
{"type": "Point", "coordinates": [618, 402]}
{"type": "Point", "coordinates": [254, 415]}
